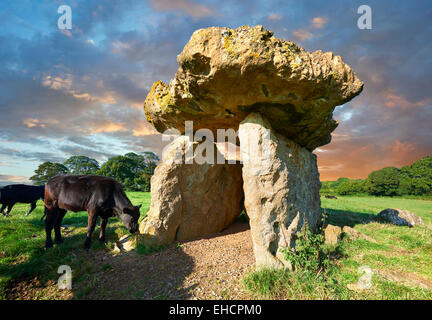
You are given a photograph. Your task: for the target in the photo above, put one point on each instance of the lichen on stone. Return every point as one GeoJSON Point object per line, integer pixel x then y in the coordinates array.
{"type": "Point", "coordinates": [221, 70]}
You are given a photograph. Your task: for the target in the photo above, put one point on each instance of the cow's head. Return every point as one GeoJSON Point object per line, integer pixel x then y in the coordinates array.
{"type": "Point", "coordinates": [130, 217]}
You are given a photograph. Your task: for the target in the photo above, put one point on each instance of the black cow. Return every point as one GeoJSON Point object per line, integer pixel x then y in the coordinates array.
{"type": "Point", "coordinates": [101, 196]}
{"type": "Point", "coordinates": [20, 193]}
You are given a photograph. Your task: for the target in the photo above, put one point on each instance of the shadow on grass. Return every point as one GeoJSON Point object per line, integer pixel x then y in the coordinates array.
{"type": "Point", "coordinates": [25, 257]}
{"type": "Point", "coordinates": [133, 276]}
{"type": "Point", "coordinates": [154, 275]}
{"type": "Point", "coordinates": [28, 271]}
{"type": "Point", "coordinates": [343, 218]}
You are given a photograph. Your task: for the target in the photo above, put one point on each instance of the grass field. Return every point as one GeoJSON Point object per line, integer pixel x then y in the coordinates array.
{"type": "Point", "coordinates": [400, 259]}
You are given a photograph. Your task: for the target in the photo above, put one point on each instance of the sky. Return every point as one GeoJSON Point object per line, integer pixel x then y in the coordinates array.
{"type": "Point", "coordinates": [81, 91]}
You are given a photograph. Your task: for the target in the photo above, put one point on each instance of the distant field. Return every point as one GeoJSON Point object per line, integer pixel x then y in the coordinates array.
{"type": "Point", "coordinates": [401, 254]}
{"type": "Point", "coordinates": [401, 258]}
{"type": "Point", "coordinates": [22, 239]}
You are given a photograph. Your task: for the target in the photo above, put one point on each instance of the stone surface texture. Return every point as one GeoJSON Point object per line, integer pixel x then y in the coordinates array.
{"type": "Point", "coordinates": [332, 234]}
{"type": "Point", "coordinates": [225, 74]}
{"type": "Point", "coordinates": [281, 99]}
{"type": "Point", "coordinates": [281, 187]}
{"type": "Point", "coordinates": [190, 200]}
{"type": "Point", "coordinates": [400, 217]}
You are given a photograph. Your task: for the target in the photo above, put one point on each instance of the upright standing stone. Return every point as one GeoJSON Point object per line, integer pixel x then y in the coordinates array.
{"type": "Point", "coordinates": [190, 200]}
{"type": "Point", "coordinates": [281, 186]}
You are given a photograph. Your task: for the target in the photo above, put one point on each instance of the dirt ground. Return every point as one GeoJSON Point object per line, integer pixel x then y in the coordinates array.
{"type": "Point", "coordinates": [206, 268]}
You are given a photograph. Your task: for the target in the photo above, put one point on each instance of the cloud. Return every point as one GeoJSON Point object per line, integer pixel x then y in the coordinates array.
{"type": "Point", "coordinates": [143, 128]}
{"type": "Point", "coordinates": [274, 17]}
{"type": "Point", "coordinates": [190, 7]}
{"type": "Point", "coordinates": [84, 92]}
{"type": "Point", "coordinates": [394, 100]}
{"type": "Point", "coordinates": [40, 156]}
{"type": "Point", "coordinates": [67, 86]}
{"type": "Point", "coordinates": [73, 150]}
{"type": "Point", "coordinates": [31, 122]}
{"type": "Point", "coordinates": [108, 126]}
{"type": "Point", "coordinates": [319, 22]}
{"type": "Point", "coordinates": [306, 32]}
{"type": "Point", "coordinates": [6, 179]}
{"type": "Point", "coordinates": [302, 34]}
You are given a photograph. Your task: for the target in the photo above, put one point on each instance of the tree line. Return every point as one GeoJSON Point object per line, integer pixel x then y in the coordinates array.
{"type": "Point", "coordinates": [132, 170]}
{"type": "Point", "coordinates": [414, 179]}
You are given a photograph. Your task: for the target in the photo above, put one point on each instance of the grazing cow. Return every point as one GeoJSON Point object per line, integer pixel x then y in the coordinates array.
{"type": "Point", "coordinates": [101, 196]}
{"type": "Point", "coordinates": [330, 197]}
{"type": "Point", "coordinates": [20, 193]}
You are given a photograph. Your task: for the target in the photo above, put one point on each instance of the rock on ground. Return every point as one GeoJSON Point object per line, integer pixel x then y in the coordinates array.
{"type": "Point", "coordinates": [190, 200]}
{"type": "Point", "coordinates": [332, 234]}
{"type": "Point", "coordinates": [400, 217]}
{"type": "Point", "coordinates": [281, 187]}
{"type": "Point", "coordinates": [355, 234]}
{"type": "Point", "coordinates": [225, 74]}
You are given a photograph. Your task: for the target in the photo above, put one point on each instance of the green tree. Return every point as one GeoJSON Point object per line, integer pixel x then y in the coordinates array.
{"type": "Point", "coordinates": [121, 168]}
{"type": "Point", "coordinates": [416, 179]}
{"type": "Point", "coordinates": [82, 165]}
{"type": "Point", "coordinates": [327, 187]}
{"type": "Point", "coordinates": [348, 187]}
{"type": "Point", "coordinates": [339, 181]}
{"type": "Point", "coordinates": [147, 163]}
{"type": "Point", "coordinates": [132, 170]}
{"type": "Point", "coordinates": [142, 182]}
{"type": "Point", "coordinates": [384, 182]}
{"type": "Point", "coordinates": [150, 157]}
{"type": "Point", "coordinates": [47, 170]}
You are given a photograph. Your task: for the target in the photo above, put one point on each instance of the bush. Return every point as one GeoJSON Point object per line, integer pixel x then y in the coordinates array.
{"type": "Point", "coordinates": [309, 254]}
{"type": "Point", "coordinates": [384, 182]}
{"type": "Point", "coordinates": [312, 277]}
{"type": "Point", "coordinates": [350, 187]}
{"type": "Point", "coordinates": [415, 180]}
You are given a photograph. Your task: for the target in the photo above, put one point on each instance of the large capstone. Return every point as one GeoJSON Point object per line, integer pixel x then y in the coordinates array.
{"type": "Point", "coordinates": [281, 99]}
{"type": "Point", "coordinates": [225, 74]}
{"type": "Point", "coordinates": [188, 199]}
{"type": "Point", "coordinates": [281, 187]}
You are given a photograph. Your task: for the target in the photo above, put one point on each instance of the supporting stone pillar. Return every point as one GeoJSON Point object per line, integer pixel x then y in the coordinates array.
{"type": "Point", "coordinates": [281, 187]}
{"type": "Point", "coordinates": [191, 200]}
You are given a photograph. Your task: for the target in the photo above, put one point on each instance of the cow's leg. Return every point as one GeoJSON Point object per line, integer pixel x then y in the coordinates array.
{"type": "Point", "coordinates": [49, 224]}
{"type": "Point", "coordinates": [32, 207]}
{"type": "Point", "coordinates": [92, 218]}
{"type": "Point", "coordinates": [10, 206]}
{"type": "Point", "coordinates": [57, 225]}
{"type": "Point", "coordinates": [103, 224]}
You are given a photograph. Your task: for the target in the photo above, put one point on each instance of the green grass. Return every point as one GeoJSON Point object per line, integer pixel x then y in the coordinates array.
{"type": "Point", "coordinates": [400, 260]}
{"type": "Point", "coordinates": [22, 239]}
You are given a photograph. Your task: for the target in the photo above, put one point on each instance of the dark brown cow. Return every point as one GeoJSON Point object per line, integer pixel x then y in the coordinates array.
{"type": "Point", "coordinates": [101, 196]}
